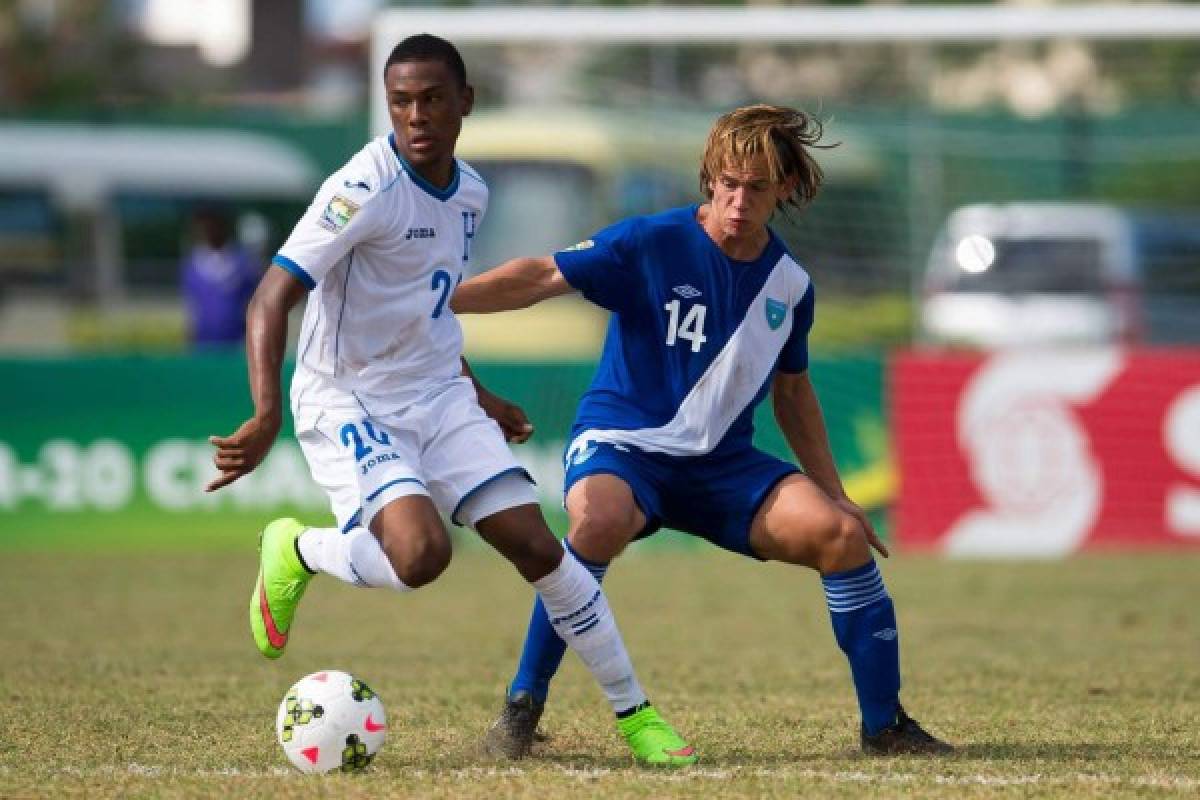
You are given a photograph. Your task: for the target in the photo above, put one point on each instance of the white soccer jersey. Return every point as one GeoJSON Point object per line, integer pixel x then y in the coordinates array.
{"type": "Point", "coordinates": [382, 251]}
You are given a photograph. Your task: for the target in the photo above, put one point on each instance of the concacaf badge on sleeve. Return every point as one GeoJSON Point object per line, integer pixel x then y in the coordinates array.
{"type": "Point", "coordinates": [338, 213]}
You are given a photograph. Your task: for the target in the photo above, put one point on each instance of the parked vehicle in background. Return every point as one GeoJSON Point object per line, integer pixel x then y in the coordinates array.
{"type": "Point", "coordinates": [1062, 274]}
{"type": "Point", "coordinates": [94, 219]}
{"type": "Point", "coordinates": [102, 210]}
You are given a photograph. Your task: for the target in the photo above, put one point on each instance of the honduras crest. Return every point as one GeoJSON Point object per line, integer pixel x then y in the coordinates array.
{"type": "Point", "coordinates": [776, 312]}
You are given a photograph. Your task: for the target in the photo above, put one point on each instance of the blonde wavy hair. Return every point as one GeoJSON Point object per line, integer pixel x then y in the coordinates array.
{"type": "Point", "coordinates": [784, 135]}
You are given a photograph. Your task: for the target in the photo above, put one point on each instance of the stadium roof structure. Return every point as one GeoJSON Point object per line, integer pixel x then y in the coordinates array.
{"type": "Point", "coordinates": [82, 164]}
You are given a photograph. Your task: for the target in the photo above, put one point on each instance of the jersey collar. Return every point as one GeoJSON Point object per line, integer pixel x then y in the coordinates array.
{"type": "Point", "coordinates": [426, 186]}
{"type": "Point", "coordinates": [770, 255]}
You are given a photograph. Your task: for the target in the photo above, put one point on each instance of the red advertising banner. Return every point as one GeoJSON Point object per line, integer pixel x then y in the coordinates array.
{"type": "Point", "coordinates": [1044, 453]}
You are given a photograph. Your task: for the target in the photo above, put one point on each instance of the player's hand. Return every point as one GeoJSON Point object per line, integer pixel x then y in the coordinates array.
{"type": "Point", "coordinates": [243, 450]}
{"type": "Point", "coordinates": [509, 416]}
{"type": "Point", "coordinates": [851, 508]}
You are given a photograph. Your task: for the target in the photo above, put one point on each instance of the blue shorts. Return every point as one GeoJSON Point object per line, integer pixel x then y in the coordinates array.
{"type": "Point", "coordinates": [714, 497]}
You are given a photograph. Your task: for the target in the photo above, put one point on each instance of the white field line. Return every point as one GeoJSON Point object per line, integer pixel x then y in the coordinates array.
{"type": "Point", "coordinates": [694, 775]}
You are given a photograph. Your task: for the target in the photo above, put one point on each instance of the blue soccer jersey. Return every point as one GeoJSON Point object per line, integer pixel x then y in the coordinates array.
{"type": "Point", "coordinates": [694, 339]}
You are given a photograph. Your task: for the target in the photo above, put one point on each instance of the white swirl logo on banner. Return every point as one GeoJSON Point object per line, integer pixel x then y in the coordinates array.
{"type": "Point", "coordinates": [1029, 455]}
{"type": "Point", "coordinates": [1181, 437]}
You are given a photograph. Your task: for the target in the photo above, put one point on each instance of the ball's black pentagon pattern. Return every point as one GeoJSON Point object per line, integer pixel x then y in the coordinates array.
{"type": "Point", "coordinates": [298, 712]}
{"type": "Point", "coordinates": [360, 691]}
{"type": "Point", "coordinates": [355, 755]}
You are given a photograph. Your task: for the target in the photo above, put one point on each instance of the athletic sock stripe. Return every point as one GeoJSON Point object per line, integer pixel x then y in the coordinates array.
{"type": "Point", "coordinates": [584, 609]}
{"type": "Point", "coordinates": [863, 587]}
{"type": "Point", "coordinates": [584, 623]}
{"type": "Point", "coordinates": [860, 587]}
{"type": "Point", "coordinates": [843, 597]}
{"type": "Point", "coordinates": [854, 605]}
{"type": "Point", "coordinates": [842, 594]}
{"type": "Point", "coordinates": [852, 597]}
{"type": "Point", "coordinates": [861, 580]}
{"type": "Point", "coordinates": [582, 631]}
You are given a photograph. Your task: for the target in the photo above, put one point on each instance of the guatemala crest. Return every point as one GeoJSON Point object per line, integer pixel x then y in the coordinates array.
{"type": "Point", "coordinates": [776, 313]}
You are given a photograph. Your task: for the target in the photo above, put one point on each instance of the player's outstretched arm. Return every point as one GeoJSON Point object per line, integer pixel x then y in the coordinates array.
{"type": "Point", "coordinates": [266, 339]}
{"type": "Point", "coordinates": [798, 412]}
{"type": "Point", "coordinates": [514, 284]}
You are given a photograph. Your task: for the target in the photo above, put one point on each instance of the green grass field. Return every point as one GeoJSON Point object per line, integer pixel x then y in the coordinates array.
{"type": "Point", "coordinates": [134, 675]}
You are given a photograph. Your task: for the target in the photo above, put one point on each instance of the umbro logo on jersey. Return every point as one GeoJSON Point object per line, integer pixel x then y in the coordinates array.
{"type": "Point", "coordinates": [421, 233]}
{"type": "Point", "coordinates": [687, 291]}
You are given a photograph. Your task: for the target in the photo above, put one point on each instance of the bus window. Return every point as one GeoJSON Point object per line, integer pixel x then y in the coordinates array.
{"type": "Point", "coordinates": [30, 232]}
{"type": "Point", "coordinates": [153, 235]}
{"type": "Point", "coordinates": [156, 231]}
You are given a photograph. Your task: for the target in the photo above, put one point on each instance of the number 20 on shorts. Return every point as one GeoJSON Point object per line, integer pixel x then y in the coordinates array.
{"type": "Point", "coordinates": [350, 434]}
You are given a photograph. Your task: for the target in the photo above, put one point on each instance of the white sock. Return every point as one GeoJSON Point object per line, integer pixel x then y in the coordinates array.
{"type": "Point", "coordinates": [578, 610]}
{"type": "Point", "coordinates": [354, 557]}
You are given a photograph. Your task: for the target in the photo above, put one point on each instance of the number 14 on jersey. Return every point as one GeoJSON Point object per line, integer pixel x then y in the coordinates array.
{"type": "Point", "coordinates": [691, 327]}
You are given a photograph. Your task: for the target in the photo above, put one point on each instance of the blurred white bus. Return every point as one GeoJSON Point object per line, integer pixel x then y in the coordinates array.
{"type": "Point", "coordinates": [96, 212]}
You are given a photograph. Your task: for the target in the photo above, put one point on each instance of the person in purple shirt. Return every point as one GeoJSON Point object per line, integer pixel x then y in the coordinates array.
{"type": "Point", "coordinates": [218, 277]}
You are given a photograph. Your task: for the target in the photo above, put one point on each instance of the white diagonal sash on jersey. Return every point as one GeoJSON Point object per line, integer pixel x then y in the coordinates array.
{"type": "Point", "coordinates": [726, 387]}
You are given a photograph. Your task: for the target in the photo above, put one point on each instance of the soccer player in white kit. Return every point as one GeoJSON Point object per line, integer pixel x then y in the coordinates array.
{"type": "Point", "coordinates": [385, 409]}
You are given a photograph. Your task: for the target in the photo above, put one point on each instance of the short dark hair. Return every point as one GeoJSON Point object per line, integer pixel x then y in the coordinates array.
{"type": "Point", "coordinates": [427, 47]}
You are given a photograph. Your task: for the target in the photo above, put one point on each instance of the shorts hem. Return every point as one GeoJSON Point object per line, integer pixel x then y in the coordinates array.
{"type": "Point", "coordinates": [484, 484]}
{"type": "Point", "coordinates": [385, 494]}
{"type": "Point", "coordinates": [758, 504]}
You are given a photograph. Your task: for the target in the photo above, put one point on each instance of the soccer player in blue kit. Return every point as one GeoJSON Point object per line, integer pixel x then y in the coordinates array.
{"type": "Point", "coordinates": [709, 312]}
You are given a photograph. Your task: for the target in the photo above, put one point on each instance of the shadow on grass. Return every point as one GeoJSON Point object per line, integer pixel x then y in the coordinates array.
{"type": "Point", "coordinates": [1120, 752]}
{"type": "Point", "coordinates": [1083, 753]}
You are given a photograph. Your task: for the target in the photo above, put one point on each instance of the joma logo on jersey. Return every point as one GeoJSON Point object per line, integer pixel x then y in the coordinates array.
{"type": "Point", "coordinates": [421, 233]}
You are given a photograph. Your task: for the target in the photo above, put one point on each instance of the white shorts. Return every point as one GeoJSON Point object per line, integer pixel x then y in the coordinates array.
{"type": "Point", "coordinates": [442, 445]}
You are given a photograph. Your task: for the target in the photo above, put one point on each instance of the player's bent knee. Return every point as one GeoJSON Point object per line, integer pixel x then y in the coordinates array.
{"type": "Point", "coordinates": [844, 545]}
{"type": "Point", "coordinates": [419, 560]}
{"type": "Point", "coordinates": [601, 540]}
{"type": "Point", "coordinates": [604, 531]}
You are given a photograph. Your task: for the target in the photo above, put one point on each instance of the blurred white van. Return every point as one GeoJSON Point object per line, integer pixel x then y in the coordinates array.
{"type": "Point", "coordinates": [1061, 274]}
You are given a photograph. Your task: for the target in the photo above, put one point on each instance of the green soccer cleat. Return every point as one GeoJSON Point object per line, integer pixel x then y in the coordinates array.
{"type": "Point", "coordinates": [653, 741]}
{"type": "Point", "coordinates": [281, 582]}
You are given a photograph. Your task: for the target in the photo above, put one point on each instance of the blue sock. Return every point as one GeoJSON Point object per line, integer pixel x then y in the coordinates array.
{"type": "Point", "coordinates": [544, 649]}
{"type": "Point", "coordinates": [864, 623]}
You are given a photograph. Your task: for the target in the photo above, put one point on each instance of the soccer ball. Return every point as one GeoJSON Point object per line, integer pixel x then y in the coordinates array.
{"type": "Point", "coordinates": [330, 720]}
